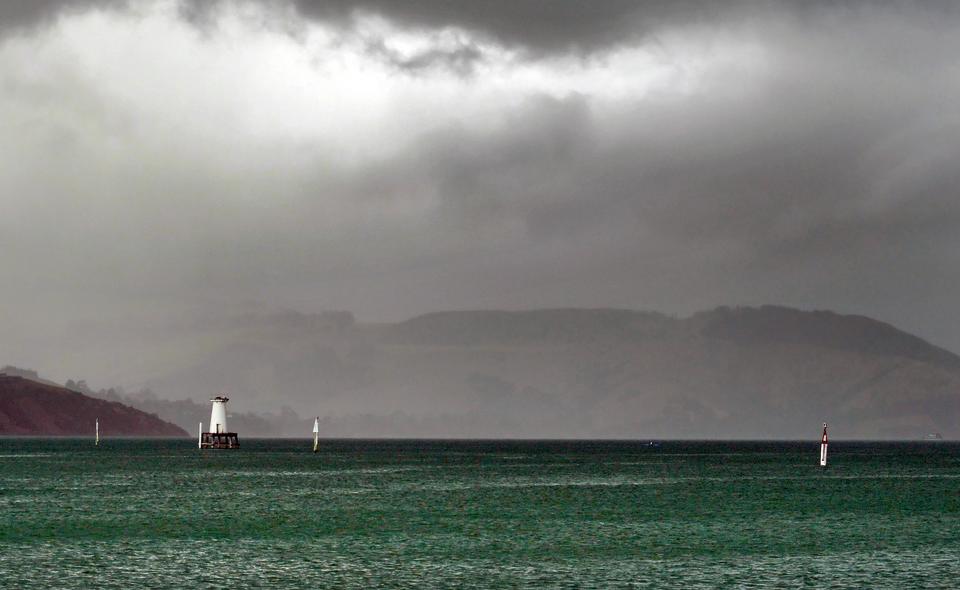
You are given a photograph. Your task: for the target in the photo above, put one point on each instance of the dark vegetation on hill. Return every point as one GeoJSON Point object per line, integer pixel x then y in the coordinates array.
{"type": "Point", "coordinates": [188, 414]}
{"type": "Point", "coordinates": [37, 408]}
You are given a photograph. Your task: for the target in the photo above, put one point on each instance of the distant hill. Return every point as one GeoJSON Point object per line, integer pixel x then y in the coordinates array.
{"type": "Point", "coordinates": [36, 408]}
{"type": "Point", "coordinates": [187, 413]}
{"type": "Point", "coordinates": [749, 372]}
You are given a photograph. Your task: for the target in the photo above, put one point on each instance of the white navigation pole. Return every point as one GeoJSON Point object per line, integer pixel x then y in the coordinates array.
{"type": "Point", "coordinates": [200, 437]}
{"type": "Point", "coordinates": [96, 426]}
{"type": "Point", "coordinates": [316, 433]}
{"type": "Point", "coordinates": [823, 447]}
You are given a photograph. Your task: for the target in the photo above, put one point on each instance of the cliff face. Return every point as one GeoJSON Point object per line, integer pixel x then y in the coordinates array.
{"type": "Point", "coordinates": [766, 372]}
{"type": "Point", "coordinates": [38, 409]}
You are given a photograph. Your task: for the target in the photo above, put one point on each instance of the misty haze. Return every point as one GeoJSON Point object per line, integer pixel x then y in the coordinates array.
{"type": "Point", "coordinates": [190, 190]}
{"type": "Point", "coordinates": [767, 372]}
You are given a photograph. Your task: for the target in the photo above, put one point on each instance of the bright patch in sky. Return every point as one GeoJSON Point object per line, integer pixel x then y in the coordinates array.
{"type": "Point", "coordinates": [245, 80]}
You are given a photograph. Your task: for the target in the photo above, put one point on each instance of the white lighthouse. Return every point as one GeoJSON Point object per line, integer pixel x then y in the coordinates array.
{"type": "Point", "coordinates": [219, 437]}
{"type": "Point", "coordinates": [218, 414]}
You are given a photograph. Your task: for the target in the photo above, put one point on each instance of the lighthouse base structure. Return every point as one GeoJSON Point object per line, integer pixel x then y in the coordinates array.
{"type": "Point", "coordinates": [219, 440]}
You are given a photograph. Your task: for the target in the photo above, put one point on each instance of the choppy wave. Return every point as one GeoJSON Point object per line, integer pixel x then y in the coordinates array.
{"type": "Point", "coordinates": [252, 563]}
{"type": "Point", "coordinates": [151, 515]}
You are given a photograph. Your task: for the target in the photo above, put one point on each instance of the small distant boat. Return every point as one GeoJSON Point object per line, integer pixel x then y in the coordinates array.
{"type": "Point", "coordinates": [96, 439]}
{"type": "Point", "coordinates": [823, 447]}
{"type": "Point", "coordinates": [933, 436]}
{"type": "Point", "coordinates": [316, 434]}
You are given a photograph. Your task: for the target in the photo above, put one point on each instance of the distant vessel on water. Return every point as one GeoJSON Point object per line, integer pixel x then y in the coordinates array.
{"type": "Point", "coordinates": [316, 434]}
{"type": "Point", "coordinates": [218, 437]}
{"type": "Point", "coordinates": [823, 447]}
{"type": "Point", "coordinates": [933, 436]}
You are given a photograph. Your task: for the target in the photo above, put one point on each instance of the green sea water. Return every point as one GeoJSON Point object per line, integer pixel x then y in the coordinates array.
{"type": "Point", "coordinates": [478, 514]}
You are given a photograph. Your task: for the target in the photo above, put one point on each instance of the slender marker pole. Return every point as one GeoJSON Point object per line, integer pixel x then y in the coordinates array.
{"type": "Point", "coordinates": [200, 436]}
{"type": "Point", "coordinates": [823, 447]}
{"type": "Point", "coordinates": [316, 434]}
{"type": "Point", "coordinates": [96, 440]}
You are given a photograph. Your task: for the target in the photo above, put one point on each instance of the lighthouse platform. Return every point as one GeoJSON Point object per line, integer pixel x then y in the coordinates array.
{"type": "Point", "coordinates": [219, 440]}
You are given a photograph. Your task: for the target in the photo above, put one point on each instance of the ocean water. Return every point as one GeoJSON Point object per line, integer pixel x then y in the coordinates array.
{"type": "Point", "coordinates": [478, 514]}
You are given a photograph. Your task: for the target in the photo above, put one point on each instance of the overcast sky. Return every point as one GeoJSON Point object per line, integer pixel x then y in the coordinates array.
{"type": "Point", "coordinates": [394, 158]}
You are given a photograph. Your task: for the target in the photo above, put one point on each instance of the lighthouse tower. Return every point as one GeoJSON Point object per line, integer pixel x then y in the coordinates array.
{"type": "Point", "coordinates": [218, 436]}
{"type": "Point", "coordinates": [218, 414]}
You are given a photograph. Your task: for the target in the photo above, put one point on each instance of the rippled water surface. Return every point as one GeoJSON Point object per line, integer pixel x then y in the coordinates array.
{"type": "Point", "coordinates": [478, 514]}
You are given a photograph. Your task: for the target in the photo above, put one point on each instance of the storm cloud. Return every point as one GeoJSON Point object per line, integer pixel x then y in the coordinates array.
{"type": "Point", "coordinates": [159, 160]}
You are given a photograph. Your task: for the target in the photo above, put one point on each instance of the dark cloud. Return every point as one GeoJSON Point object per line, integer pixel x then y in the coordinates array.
{"type": "Point", "coordinates": [20, 13]}
{"type": "Point", "coordinates": [26, 14]}
{"type": "Point", "coordinates": [544, 27]}
{"type": "Point", "coordinates": [461, 59]}
{"type": "Point", "coordinates": [538, 25]}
